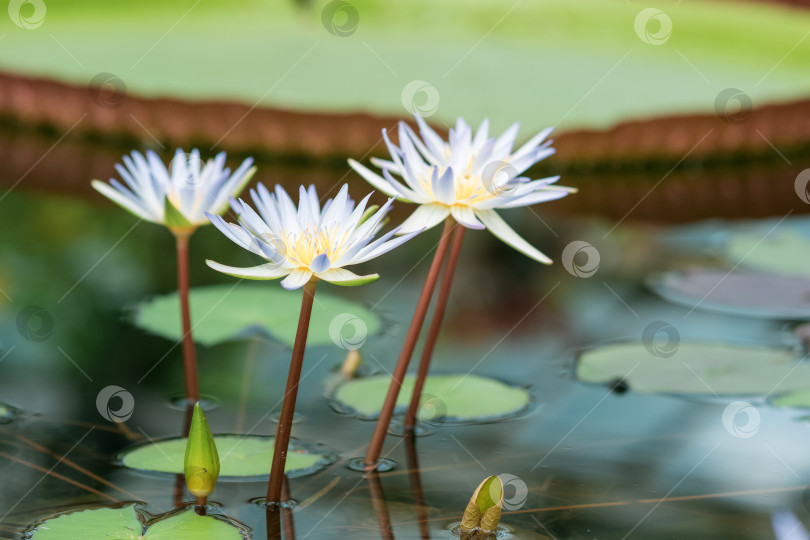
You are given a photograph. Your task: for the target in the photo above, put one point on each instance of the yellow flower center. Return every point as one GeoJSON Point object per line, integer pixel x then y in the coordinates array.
{"type": "Point", "coordinates": [301, 248]}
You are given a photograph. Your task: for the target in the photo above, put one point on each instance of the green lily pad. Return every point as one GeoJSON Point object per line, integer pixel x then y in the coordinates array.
{"type": "Point", "coordinates": [240, 456]}
{"type": "Point", "coordinates": [695, 368]}
{"type": "Point", "coordinates": [224, 312]}
{"type": "Point", "coordinates": [785, 252]}
{"type": "Point", "coordinates": [445, 398]}
{"type": "Point", "coordinates": [798, 399]}
{"type": "Point", "coordinates": [624, 74]}
{"type": "Point", "coordinates": [125, 524]}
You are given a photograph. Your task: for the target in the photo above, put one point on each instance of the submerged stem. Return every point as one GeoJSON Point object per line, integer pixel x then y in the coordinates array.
{"type": "Point", "coordinates": [435, 328]}
{"type": "Point", "coordinates": [378, 438]}
{"type": "Point", "coordinates": [189, 353]}
{"type": "Point", "coordinates": [290, 395]}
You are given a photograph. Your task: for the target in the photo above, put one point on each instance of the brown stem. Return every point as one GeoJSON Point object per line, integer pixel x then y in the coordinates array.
{"type": "Point", "coordinates": [189, 353]}
{"type": "Point", "coordinates": [378, 438]}
{"type": "Point", "coordinates": [288, 405]}
{"type": "Point", "coordinates": [273, 519]}
{"type": "Point", "coordinates": [380, 506]}
{"type": "Point", "coordinates": [416, 484]}
{"type": "Point", "coordinates": [435, 328]}
{"type": "Point", "coordinates": [199, 507]}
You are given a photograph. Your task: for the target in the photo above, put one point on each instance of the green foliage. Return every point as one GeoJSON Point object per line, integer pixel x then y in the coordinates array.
{"type": "Point", "coordinates": [455, 397]}
{"type": "Point", "coordinates": [125, 524]}
{"type": "Point", "coordinates": [696, 368]}
{"type": "Point", "coordinates": [224, 312]}
{"type": "Point", "coordinates": [240, 456]}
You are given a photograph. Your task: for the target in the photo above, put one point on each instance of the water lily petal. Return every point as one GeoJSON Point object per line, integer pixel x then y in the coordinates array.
{"type": "Point", "coordinates": [129, 204]}
{"type": "Point", "coordinates": [373, 178]}
{"type": "Point", "coordinates": [297, 279]}
{"type": "Point", "coordinates": [444, 188]}
{"type": "Point", "coordinates": [465, 216]}
{"type": "Point", "coordinates": [320, 264]}
{"type": "Point", "coordinates": [263, 271]}
{"type": "Point", "coordinates": [504, 232]}
{"type": "Point", "coordinates": [424, 217]}
{"type": "Point", "coordinates": [341, 276]}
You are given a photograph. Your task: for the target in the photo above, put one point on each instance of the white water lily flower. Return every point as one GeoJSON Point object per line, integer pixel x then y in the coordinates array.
{"type": "Point", "coordinates": [467, 177]}
{"type": "Point", "coordinates": [309, 241]}
{"type": "Point", "coordinates": [786, 526]}
{"type": "Point", "coordinates": [179, 197]}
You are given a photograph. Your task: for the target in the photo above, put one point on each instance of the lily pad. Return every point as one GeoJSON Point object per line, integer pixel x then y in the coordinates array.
{"type": "Point", "coordinates": [449, 398]}
{"type": "Point", "coordinates": [798, 399]}
{"type": "Point", "coordinates": [784, 252]}
{"type": "Point", "coordinates": [224, 312]}
{"type": "Point", "coordinates": [240, 457]}
{"type": "Point", "coordinates": [695, 368]}
{"type": "Point", "coordinates": [125, 524]}
{"type": "Point", "coordinates": [746, 293]}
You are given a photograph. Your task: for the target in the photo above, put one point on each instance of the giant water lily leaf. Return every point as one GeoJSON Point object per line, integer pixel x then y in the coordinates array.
{"type": "Point", "coordinates": [630, 62]}
{"type": "Point", "coordinates": [746, 293]}
{"type": "Point", "coordinates": [240, 456]}
{"type": "Point", "coordinates": [695, 368]}
{"type": "Point", "coordinates": [224, 312]}
{"type": "Point", "coordinates": [456, 397]}
{"type": "Point", "coordinates": [125, 524]}
{"type": "Point", "coordinates": [785, 252]}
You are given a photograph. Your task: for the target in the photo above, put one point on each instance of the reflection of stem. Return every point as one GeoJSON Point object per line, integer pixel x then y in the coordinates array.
{"type": "Point", "coordinates": [286, 513]}
{"type": "Point", "coordinates": [273, 516]}
{"type": "Point", "coordinates": [435, 328]}
{"type": "Point", "coordinates": [416, 484]}
{"type": "Point", "coordinates": [189, 354]}
{"type": "Point", "coordinates": [380, 506]}
{"type": "Point", "coordinates": [247, 375]}
{"type": "Point", "coordinates": [288, 405]}
{"type": "Point", "coordinates": [378, 438]}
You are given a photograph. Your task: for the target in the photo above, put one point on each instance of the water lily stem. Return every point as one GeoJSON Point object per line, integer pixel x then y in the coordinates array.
{"type": "Point", "coordinates": [435, 328]}
{"type": "Point", "coordinates": [189, 353]}
{"type": "Point", "coordinates": [291, 393]}
{"type": "Point", "coordinates": [378, 438]}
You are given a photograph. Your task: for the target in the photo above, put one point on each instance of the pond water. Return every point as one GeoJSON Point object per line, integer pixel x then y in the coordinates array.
{"type": "Point", "coordinates": [597, 462]}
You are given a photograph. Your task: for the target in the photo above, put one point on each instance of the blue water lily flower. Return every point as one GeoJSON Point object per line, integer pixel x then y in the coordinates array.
{"type": "Point", "coordinates": [306, 242]}
{"type": "Point", "coordinates": [467, 177]}
{"type": "Point", "coordinates": [177, 196]}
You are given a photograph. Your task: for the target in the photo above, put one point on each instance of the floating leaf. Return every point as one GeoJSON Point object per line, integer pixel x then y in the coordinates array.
{"type": "Point", "coordinates": [640, 79]}
{"type": "Point", "coordinates": [224, 312]}
{"type": "Point", "coordinates": [125, 524]}
{"type": "Point", "coordinates": [798, 399]}
{"type": "Point", "coordinates": [695, 368]}
{"type": "Point", "coordinates": [240, 456]}
{"type": "Point", "coordinates": [748, 293]}
{"type": "Point", "coordinates": [484, 509]}
{"type": "Point", "coordinates": [785, 252]}
{"type": "Point", "coordinates": [201, 462]}
{"type": "Point", "coordinates": [450, 398]}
